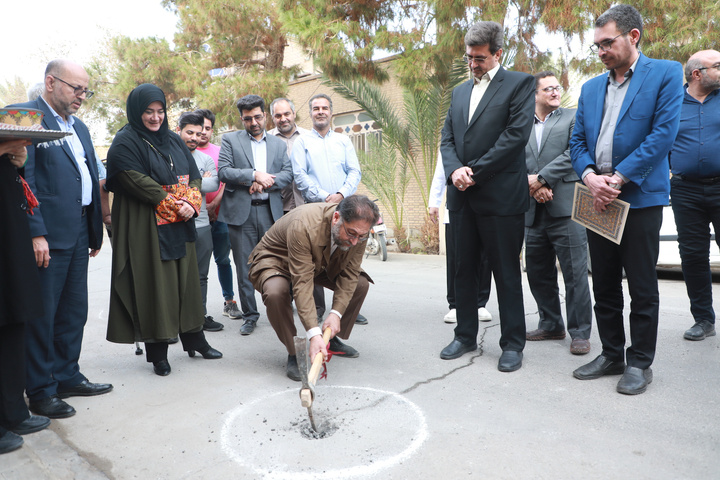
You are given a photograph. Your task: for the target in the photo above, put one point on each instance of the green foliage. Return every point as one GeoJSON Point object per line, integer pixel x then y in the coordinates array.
{"type": "Point", "coordinates": [410, 139]}
{"type": "Point", "coordinates": [223, 51]}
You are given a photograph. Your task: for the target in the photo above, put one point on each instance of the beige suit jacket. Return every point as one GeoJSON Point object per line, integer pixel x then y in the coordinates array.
{"type": "Point", "coordinates": [297, 247]}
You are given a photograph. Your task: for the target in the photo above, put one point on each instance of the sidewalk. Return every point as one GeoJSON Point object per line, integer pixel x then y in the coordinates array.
{"type": "Point", "coordinates": [396, 412]}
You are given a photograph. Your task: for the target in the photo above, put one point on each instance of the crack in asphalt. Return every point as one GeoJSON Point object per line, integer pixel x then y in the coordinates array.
{"type": "Point", "coordinates": [470, 361]}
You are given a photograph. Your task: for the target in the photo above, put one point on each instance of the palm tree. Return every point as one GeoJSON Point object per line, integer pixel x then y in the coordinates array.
{"type": "Point", "coordinates": [408, 146]}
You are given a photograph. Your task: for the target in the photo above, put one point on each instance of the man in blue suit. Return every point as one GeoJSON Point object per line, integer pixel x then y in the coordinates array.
{"type": "Point", "coordinates": [66, 231]}
{"type": "Point", "coordinates": [625, 125]}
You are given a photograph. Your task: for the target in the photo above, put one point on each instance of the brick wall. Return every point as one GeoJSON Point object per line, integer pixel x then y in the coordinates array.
{"type": "Point", "coordinates": [301, 90]}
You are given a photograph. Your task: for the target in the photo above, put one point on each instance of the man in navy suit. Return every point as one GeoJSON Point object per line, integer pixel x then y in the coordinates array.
{"type": "Point", "coordinates": [483, 152]}
{"type": "Point", "coordinates": [66, 231]}
{"type": "Point", "coordinates": [255, 168]}
{"type": "Point", "coordinates": [625, 125]}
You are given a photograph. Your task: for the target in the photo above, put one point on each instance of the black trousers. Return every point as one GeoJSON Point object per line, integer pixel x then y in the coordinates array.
{"type": "Point", "coordinates": [637, 254]}
{"type": "Point", "coordinates": [157, 351]}
{"type": "Point", "coordinates": [13, 410]}
{"type": "Point", "coordinates": [696, 206]}
{"type": "Point", "coordinates": [500, 239]}
{"type": "Point", "coordinates": [484, 274]}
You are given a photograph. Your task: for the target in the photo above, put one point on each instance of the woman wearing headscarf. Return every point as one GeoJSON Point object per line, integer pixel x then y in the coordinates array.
{"type": "Point", "coordinates": [155, 293]}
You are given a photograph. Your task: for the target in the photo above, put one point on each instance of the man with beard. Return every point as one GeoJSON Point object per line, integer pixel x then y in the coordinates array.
{"type": "Point", "coordinates": [315, 244]}
{"type": "Point", "coordinates": [625, 126]}
{"type": "Point", "coordinates": [66, 231]}
{"type": "Point", "coordinates": [695, 184]}
{"type": "Point", "coordinates": [255, 168]}
{"type": "Point", "coordinates": [190, 129]}
{"type": "Point", "coordinates": [282, 111]}
{"type": "Point", "coordinates": [325, 167]}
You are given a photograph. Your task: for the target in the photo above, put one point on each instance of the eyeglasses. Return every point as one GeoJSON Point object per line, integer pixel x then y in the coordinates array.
{"type": "Point", "coordinates": [78, 91]}
{"type": "Point", "coordinates": [258, 118]}
{"type": "Point", "coordinates": [359, 238]}
{"type": "Point", "coordinates": [468, 59]}
{"type": "Point", "coordinates": [716, 67]}
{"type": "Point", "coordinates": [605, 45]}
{"type": "Point", "coordinates": [556, 88]}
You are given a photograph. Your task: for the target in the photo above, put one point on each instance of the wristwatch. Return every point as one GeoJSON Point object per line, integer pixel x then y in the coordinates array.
{"type": "Point", "coordinates": [541, 180]}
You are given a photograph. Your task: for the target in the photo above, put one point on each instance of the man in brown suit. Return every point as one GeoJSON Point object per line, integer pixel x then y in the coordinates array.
{"type": "Point", "coordinates": [315, 244]}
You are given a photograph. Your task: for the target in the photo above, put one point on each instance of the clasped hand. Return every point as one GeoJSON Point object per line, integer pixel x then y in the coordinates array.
{"type": "Point", "coordinates": [604, 189]}
{"type": "Point", "coordinates": [462, 178]}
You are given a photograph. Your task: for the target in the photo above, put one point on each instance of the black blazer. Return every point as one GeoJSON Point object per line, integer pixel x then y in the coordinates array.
{"type": "Point", "coordinates": [54, 178]}
{"type": "Point", "coordinates": [492, 144]}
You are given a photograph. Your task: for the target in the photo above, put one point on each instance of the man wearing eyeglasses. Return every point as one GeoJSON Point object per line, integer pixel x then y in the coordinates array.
{"type": "Point", "coordinates": [550, 233]}
{"type": "Point", "coordinates": [254, 167]}
{"type": "Point", "coordinates": [315, 244]}
{"type": "Point", "coordinates": [483, 152]}
{"type": "Point", "coordinates": [67, 231]}
{"type": "Point", "coordinates": [625, 125]}
{"type": "Point", "coordinates": [695, 185]}
{"type": "Point", "coordinates": [325, 167]}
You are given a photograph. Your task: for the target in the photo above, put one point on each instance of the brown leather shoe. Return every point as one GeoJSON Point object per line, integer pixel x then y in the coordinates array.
{"type": "Point", "coordinates": [579, 346]}
{"type": "Point", "coordinates": [541, 334]}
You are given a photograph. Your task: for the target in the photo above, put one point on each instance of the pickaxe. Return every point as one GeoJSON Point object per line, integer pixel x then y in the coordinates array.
{"type": "Point", "coordinates": [307, 392]}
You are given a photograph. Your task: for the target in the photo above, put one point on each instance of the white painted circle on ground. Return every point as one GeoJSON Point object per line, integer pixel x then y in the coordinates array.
{"type": "Point", "coordinates": [373, 430]}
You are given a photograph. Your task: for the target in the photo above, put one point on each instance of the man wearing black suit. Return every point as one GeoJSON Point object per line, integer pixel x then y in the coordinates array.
{"type": "Point", "coordinates": [66, 231]}
{"type": "Point", "coordinates": [483, 151]}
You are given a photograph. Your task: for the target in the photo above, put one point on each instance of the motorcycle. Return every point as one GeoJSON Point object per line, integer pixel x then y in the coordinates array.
{"type": "Point", "coordinates": [377, 241]}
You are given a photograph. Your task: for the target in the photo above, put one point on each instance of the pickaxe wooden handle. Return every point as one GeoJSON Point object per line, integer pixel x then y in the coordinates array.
{"type": "Point", "coordinates": [306, 395]}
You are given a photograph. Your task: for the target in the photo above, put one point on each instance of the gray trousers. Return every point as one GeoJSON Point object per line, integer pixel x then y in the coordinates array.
{"type": "Point", "coordinates": [550, 237]}
{"type": "Point", "coordinates": [243, 239]}
{"type": "Point", "coordinates": [204, 248]}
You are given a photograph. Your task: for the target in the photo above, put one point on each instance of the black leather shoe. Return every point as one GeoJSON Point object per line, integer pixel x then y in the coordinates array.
{"type": "Point", "coordinates": [52, 407]}
{"type": "Point", "coordinates": [248, 327]}
{"type": "Point", "coordinates": [456, 349]}
{"type": "Point", "coordinates": [361, 320]}
{"type": "Point", "coordinates": [208, 353]}
{"type": "Point", "coordinates": [162, 368]}
{"type": "Point", "coordinates": [9, 442]}
{"type": "Point", "coordinates": [599, 367]}
{"type": "Point", "coordinates": [211, 325]}
{"type": "Point", "coordinates": [510, 361]}
{"type": "Point", "coordinates": [699, 331]}
{"type": "Point", "coordinates": [84, 389]}
{"type": "Point", "coordinates": [340, 349]}
{"type": "Point", "coordinates": [33, 424]}
{"type": "Point", "coordinates": [292, 370]}
{"type": "Point", "coordinates": [634, 380]}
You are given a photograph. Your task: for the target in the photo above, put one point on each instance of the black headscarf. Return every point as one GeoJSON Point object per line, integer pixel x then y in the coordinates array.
{"type": "Point", "coordinates": [161, 155]}
{"type": "Point", "coordinates": [140, 99]}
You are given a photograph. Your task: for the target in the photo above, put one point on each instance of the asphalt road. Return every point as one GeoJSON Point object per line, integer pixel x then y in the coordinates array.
{"type": "Point", "coordinates": [396, 412]}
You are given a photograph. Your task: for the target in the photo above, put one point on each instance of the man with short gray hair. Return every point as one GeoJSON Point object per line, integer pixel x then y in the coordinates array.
{"type": "Point", "coordinates": [483, 152]}
{"type": "Point", "coordinates": [67, 231]}
{"type": "Point", "coordinates": [282, 111]}
{"type": "Point", "coordinates": [695, 185]}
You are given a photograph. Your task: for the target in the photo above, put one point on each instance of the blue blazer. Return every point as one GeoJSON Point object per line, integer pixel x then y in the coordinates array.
{"type": "Point", "coordinates": [645, 131]}
{"type": "Point", "coordinates": [54, 178]}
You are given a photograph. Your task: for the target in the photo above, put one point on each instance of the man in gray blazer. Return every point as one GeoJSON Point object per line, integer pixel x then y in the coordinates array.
{"type": "Point", "coordinates": [255, 168]}
{"type": "Point", "coordinates": [549, 231]}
